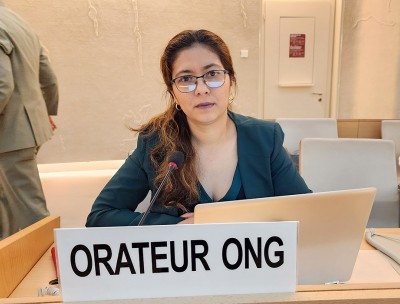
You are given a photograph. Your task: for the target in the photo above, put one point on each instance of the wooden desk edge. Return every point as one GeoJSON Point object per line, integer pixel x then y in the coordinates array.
{"type": "Point", "coordinates": [314, 294]}
{"type": "Point", "coordinates": [15, 262]}
{"type": "Point", "coordinates": [30, 300]}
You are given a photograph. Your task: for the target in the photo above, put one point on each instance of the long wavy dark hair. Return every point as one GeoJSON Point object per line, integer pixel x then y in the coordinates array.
{"type": "Point", "coordinates": [171, 126]}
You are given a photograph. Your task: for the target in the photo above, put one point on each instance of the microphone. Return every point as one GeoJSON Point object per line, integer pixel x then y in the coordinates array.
{"type": "Point", "coordinates": [175, 160]}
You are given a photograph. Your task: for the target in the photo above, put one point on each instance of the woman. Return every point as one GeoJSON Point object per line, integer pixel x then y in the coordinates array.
{"type": "Point", "coordinates": [227, 156]}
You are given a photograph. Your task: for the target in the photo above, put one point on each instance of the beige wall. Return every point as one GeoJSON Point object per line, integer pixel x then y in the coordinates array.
{"type": "Point", "coordinates": [370, 60]}
{"type": "Point", "coordinates": [106, 56]}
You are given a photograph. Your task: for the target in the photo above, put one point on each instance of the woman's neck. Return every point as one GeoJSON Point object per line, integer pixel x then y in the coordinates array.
{"type": "Point", "coordinates": [213, 133]}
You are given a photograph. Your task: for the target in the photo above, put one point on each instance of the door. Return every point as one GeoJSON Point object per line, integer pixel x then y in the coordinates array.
{"type": "Point", "coordinates": [298, 57]}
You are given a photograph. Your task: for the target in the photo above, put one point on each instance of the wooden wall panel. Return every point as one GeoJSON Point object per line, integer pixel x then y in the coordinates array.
{"type": "Point", "coordinates": [359, 128]}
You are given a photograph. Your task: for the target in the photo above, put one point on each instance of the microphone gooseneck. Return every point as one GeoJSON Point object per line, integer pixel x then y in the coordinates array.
{"type": "Point", "coordinates": [175, 161]}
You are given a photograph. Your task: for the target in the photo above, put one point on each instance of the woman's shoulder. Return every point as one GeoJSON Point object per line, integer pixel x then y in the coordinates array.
{"type": "Point", "coordinates": [146, 140]}
{"type": "Point", "coordinates": [242, 121]}
{"type": "Point", "coordinates": [252, 129]}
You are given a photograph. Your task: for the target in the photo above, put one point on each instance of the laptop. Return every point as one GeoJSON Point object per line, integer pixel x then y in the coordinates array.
{"type": "Point", "coordinates": [331, 227]}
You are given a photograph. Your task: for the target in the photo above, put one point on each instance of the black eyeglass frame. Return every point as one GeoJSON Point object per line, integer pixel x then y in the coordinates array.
{"type": "Point", "coordinates": [197, 77]}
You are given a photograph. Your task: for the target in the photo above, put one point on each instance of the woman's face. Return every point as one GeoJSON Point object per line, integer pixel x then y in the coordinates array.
{"type": "Point", "coordinates": [204, 105]}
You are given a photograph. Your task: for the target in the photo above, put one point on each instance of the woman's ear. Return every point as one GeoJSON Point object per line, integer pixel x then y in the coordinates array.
{"type": "Point", "coordinates": [232, 89]}
{"type": "Point", "coordinates": [174, 100]}
{"type": "Point", "coordinates": [171, 92]}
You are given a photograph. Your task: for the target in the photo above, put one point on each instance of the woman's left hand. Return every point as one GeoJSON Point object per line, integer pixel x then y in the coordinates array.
{"type": "Point", "coordinates": [188, 218]}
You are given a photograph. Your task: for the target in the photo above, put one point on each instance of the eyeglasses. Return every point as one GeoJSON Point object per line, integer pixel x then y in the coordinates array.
{"type": "Point", "coordinates": [188, 83]}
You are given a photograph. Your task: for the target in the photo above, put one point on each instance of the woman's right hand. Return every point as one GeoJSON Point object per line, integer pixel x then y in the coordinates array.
{"type": "Point", "coordinates": [188, 218]}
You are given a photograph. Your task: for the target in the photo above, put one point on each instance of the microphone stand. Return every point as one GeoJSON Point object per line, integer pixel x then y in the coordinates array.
{"type": "Point", "coordinates": [172, 166]}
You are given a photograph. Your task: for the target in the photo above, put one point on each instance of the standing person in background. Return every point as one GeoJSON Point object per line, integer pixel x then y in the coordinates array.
{"type": "Point", "coordinates": [28, 95]}
{"type": "Point", "coordinates": [228, 156]}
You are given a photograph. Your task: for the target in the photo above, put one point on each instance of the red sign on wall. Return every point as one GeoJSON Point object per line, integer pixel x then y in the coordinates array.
{"type": "Point", "coordinates": [297, 45]}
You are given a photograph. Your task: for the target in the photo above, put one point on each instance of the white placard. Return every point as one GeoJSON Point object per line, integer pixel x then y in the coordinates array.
{"type": "Point", "coordinates": [177, 260]}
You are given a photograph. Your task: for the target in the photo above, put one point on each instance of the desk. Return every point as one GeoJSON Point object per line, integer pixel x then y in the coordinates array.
{"type": "Point", "coordinates": [353, 293]}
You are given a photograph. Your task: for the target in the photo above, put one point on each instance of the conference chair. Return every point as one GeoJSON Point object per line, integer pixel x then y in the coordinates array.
{"type": "Point", "coordinates": [329, 164]}
{"type": "Point", "coordinates": [71, 188]}
{"type": "Point", "coordinates": [296, 129]}
{"type": "Point", "coordinates": [391, 130]}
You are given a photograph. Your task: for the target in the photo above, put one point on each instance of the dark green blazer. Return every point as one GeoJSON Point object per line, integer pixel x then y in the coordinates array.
{"type": "Point", "coordinates": [265, 169]}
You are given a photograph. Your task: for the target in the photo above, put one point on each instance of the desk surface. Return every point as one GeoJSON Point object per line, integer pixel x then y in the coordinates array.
{"type": "Point", "coordinates": [369, 284]}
